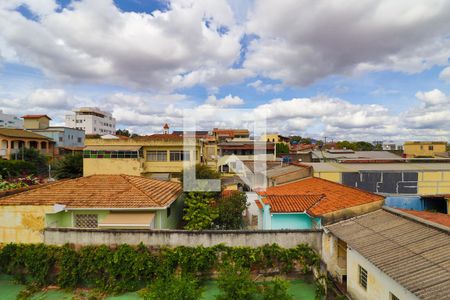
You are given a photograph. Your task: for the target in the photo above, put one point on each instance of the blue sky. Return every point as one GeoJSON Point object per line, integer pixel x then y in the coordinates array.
{"type": "Point", "coordinates": [377, 71]}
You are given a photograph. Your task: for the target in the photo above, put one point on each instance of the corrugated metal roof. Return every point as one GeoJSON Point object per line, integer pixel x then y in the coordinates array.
{"type": "Point", "coordinates": [415, 255]}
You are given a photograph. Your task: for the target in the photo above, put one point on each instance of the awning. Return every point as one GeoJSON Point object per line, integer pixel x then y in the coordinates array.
{"type": "Point", "coordinates": [136, 220]}
{"type": "Point", "coordinates": [113, 148]}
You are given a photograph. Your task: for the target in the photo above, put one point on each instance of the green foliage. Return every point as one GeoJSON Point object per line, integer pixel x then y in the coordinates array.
{"type": "Point", "coordinates": [282, 148]}
{"type": "Point", "coordinates": [203, 172]}
{"type": "Point", "coordinates": [355, 146]}
{"type": "Point", "coordinates": [71, 166]}
{"type": "Point", "coordinates": [14, 168]}
{"type": "Point", "coordinates": [199, 213]}
{"type": "Point", "coordinates": [230, 211]}
{"type": "Point", "coordinates": [235, 283]}
{"type": "Point", "coordinates": [126, 268]}
{"type": "Point", "coordinates": [36, 158]}
{"type": "Point", "coordinates": [276, 289]}
{"type": "Point", "coordinates": [173, 287]}
{"type": "Point", "coordinates": [300, 140]}
{"type": "Point", "coordinates": [123, 132]}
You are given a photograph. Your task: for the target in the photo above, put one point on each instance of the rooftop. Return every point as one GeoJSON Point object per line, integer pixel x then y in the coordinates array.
{"type": "Point", "coordinates": [334, 196]}
{"type": "Point", "coordinates": [35, 117]}
{"type": "Point", "coordinates": [101, 191]}
{"type": "Point", "coordinates": [291, 203]}
{"type": "Point", "coordinates": [414, 254]}
{"type": "Point", "coordinates": [425, 143]}
{"type": "Point", "coordinates": [21, 133]}
{"type": "Point", "coordinates": [434, 217]}
{"type": "Point", "coordinates": [355, 167]}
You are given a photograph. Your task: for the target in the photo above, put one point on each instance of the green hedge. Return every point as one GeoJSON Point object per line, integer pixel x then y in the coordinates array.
{"type": "Point", "coordinates": [127, 268]}
{"type": "Point", "coordinates": [14, 168]}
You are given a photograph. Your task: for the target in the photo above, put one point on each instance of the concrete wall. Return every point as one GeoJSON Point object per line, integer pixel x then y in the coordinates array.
{"type": "Point", "coordinates": [422, 149]}
{"type": "Point", "coordinates": [351, 212]}
{"type": "Point", "coordinates": [112, 166]}
{"type": "Point", "coordinates": [379, 285]}
{"type": "Point", "coordinates": [172, 238]}
{"type": "Point", "coordinates": [291, 221]}
{"type": "Point", "coordinates": [22, 224]}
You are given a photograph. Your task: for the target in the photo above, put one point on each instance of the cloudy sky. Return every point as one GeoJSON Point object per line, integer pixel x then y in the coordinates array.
{"type": "Point", "coordinates": [354, 69]}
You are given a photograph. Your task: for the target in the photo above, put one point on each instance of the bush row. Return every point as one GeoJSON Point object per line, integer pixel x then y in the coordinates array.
{"type": "Point", "coordinates": [127, 268]}
{"type": "Point", "coordinates": [14, 168]}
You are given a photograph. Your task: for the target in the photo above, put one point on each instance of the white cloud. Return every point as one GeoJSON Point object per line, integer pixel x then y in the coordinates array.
{"type": "Point", "coordinates": [225, 101]}
{"type": "Point", "coordinates": [268, 87]}
{"type": "Point", "coordinates": [445, 74]}
{"type": "Point", "coordinates": [96, 42]}
{"type": "Point", "coordinates": [50, 99]}
{"type": "Point", "coordinates": [315, 39]}
{"type": "Point", "coordinates": [433, 98]}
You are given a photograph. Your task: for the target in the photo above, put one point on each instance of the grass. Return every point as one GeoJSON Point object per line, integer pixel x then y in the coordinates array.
{"type": "Point", "coordinates": [9, 290]}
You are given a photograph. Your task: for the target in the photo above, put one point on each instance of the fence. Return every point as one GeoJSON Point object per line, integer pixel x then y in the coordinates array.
{"type": "Point", "coordinates": [173, 238]}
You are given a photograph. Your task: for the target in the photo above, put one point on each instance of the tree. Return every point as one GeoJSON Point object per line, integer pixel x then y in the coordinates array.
{"type": "Point", "coordinates": [71, 166]}
{"type": "Point", "coordinates": [173, 287]}
{"type": "Point", "coordinates": [282, 148]}
{"type": "Point", "coordinates": [35, 157]}
{"type": "Point", "coordinates": [235, 283]}
{"type": "Point", "coordinates": [123, 132]}
{"type": "Point", "coordinates": [230, 210]}
{"type": "Point", "coordinates": [199, 211]}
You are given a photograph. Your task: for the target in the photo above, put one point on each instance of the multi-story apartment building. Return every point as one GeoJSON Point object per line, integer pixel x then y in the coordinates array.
{"type": "Point", "coordinates": [10, 121]}
{"type": "Point", "coordinates": [92, 120]}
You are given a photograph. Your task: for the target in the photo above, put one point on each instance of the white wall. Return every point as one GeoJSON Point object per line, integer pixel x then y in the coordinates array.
{"type": "Point", "coordinates": [10, 121]}
{"type": "Point", "coordinates": [379, 285]}
{"type": "Point", "coordinates": [92, 124]}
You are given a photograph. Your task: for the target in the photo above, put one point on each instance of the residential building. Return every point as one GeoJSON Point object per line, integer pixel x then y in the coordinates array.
{"type": "Point", "coordinates": [66, 139]}
{"type": "Point", "coordinates": [99, 201]}
{"type": "Point", "coordinates": [311, 203]}
{"type": "Point", "coordinates": [424, 149]}
{"type": "Point", "coordinates": [13, 140]}
{"type": "Point", "coordinates": [10, 121]}
{"type": "Point", "coordinates": [92, 120]}
{"type": "Point", "coordinates": [228, 151]}
{"type": "Point", "coordinates": [221, 135]}
{"type": "Point", "coordinates": [275, 138]}
{"type": "Point", "coordinates": [158, 156]}
{"type": "Point", "coordinates": [391, 146]}
{"type": "Point", "coordinates": [389, 254]}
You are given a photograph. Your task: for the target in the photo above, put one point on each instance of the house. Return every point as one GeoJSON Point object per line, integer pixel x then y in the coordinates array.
{"type": "Point", "coordinates": [243, 150]}
{"type": "Point", "coordinates": [66, 139]}
{"type": "Point", "coordinates": [13, 140]}
{"type": "Point", "coordinates": [97, 201]}
{"type": "Point", "coordinates": [92, 120]}
{"type": "Point", "coordinates": [10, 121]}
{"type": "Point", "coordinates": [157, 155]}
{"type": "Point", "coordinates": [424, 149]}
{"type": "Point", "coordinates": [221, 135]}
{"type": "Point", "coordinates": [275, 138]}
{"type": "Point", "coordinates": [389, 254]}
{"type": "Point", "coordinates": [311, 203]}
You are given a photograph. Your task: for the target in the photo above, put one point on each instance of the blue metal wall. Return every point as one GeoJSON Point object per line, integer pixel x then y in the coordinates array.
{"type": "Point", "coordinates": [405, 202]}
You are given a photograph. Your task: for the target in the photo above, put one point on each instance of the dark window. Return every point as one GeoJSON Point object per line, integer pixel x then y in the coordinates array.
{"type": "Point", "coordinates": [168, 211]}
{"type": "Point", "coordinates": [179, 155]}
{"type": "Point", "coordinates": [60, 138]}
{"type": "Point", "coordinates": [363, 277]}
{"type": "Point", "coordinates": [430, 148]}
{"type": "Point", "coordinates": [157, 155]}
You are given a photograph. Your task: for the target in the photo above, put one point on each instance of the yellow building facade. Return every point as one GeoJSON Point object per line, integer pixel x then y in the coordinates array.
{"type": "Point", "coordinates": [424, 149]}
{"type": "Point", "coordinates": [142, 156]}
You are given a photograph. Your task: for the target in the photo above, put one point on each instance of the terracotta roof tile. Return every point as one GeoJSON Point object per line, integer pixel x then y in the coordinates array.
{"type": "Point", "coordinates": [291, 203]}
{"type": "Point", "coordinates": [35, 117]}
{"type": "Point", "coordinates": [439, 218]}
{"type": "Point", "coordinates": [101, 191]}
{"type": "Point", "coordinates": [21, 133]}
{"type": "Point", "coordinates": [336, 196]}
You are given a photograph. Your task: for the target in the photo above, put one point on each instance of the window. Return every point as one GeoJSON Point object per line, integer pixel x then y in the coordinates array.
{"type": "Point", "coordinates": [430, 148]}
{"type": "Point", "coordinates": [168, 211]}
{"type": "Point", "coordinates": [157, 155]}
{"type": "Point", "coordinates": [362, 277]}
{"type": "Point", "coordinates": [86, 221]}
{"type": "Point", "coordinates": [60, 138]}
{"type": "Point", "coordinates": [393, 297]}
{"type": "Point", "coordinates": [179, 155]}
{"type": "Point", "coordinates": [79, 140]}
{"type": "Point", "coordinates": [111, 154]}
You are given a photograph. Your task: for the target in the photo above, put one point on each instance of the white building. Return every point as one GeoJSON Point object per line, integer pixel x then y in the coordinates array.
{"type": "Point", "coordinates": [10, 121]}
{"type": "Point", "coordinates": [92, 120]}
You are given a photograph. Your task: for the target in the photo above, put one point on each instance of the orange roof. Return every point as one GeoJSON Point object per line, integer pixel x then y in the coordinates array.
{"type": "Point", "coordinates": [291, 203]}
{"type": "Point", "coordinates": [35, 117]}
{"type": "Point", "coordinates": [439, 218]}
{"type": "Point", "coordinates": [101, 191]}
{"type": "Point", "coordinates": [335, 196]}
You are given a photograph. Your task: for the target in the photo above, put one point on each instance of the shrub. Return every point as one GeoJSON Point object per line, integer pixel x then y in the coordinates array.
{"type": "Point", "coordinates": [199, 212]}
{"type": "Point", "coordinates": [174, 288]}
{"type": "Point", "coordinates": [70, 166]}
{"type": "Point", "coordinates": [230, 210]}
{"type": "Point", "coordinates": [235, 283]}
{"type": "Point", "coordinates": [14, 168]}
{"type": "Point", "coordinates": [276, 289]}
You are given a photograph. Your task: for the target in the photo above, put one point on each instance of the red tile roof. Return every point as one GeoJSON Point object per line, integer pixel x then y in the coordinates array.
{"type": "Point", "coordinates": [160, 136]}
{"type": "Point", "coordinates": [335, 196]}
{"type": "Point", "coordinates": [439, 218]}
{"type": "Point", "coordinates": [35, 117]}
{"type": "Point", "coordinates": [291, 203]}
{"type": "Point", "coordinates": [101, 191]}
